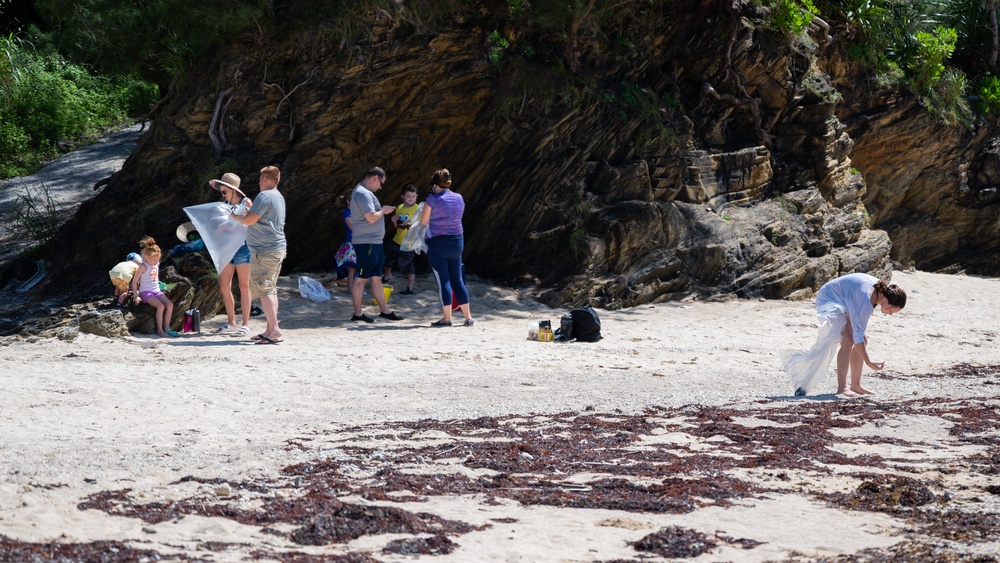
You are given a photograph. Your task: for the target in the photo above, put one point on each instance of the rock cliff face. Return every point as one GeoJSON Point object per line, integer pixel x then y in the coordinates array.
{"type": "Point", "coordinates": [932, 188]}
{"type": "Point", "coordinates": [703, 155]}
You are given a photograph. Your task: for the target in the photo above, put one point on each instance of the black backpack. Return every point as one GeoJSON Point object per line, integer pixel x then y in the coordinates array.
{"type": "Point", "coordinates": [586, 324]}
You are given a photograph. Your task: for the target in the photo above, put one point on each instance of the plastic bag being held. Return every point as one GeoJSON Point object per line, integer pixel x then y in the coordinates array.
{"type": "Point", "coordinates": [312, 290]}
{"type": "Point", "coordinates": [415, 235]}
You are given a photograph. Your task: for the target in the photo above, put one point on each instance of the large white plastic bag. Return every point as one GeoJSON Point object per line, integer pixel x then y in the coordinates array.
{"type": "Point", "coordinates": [414, 239]}
{"type": "Point", "coordinates": [808, 368]}
{"type": "Point", "coordinates": [312, 290]}
{"type": "Point", "coordinates": [222, 235]}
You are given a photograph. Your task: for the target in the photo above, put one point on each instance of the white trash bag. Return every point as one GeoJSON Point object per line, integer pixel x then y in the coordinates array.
{"type": "Point", "coordinates": [415, 235]}
{"type": "Point", "coordinates": [313, 290]}
{"type": "Point", "coordinates": [222, 235]}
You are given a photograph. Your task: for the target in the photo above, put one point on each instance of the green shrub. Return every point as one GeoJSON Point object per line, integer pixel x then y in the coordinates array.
{"type": "Point", "coordinates": [948, 100]}
{"type": "Point", "coordinates": [793, 16]}
{"type": "Point", "coordinates": [33, 214]}
{"type": "Point", "coordinates": [499, 45]}
{"type": "Point", "coordinates": [989, 96]}
{"type": "Point", "coordinates": [933, 49]}
{"type": "Point", "coordinates": [14, 145]}
{"type": "Point", "coordinates": [48, 105]}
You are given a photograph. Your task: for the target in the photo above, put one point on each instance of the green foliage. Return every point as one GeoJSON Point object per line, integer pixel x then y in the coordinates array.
{"type": "Point", "coordinates": [889, 76]}
{"type": "Point", "coordinates": [516, 7]}
{"type": "Point", "coordinates": [971, 21]}
{"type": "Point", "coordinates": [989, 96]}
{"type": "Point", "coordinates": [499, 45]}
{"type": "Point", "coordinates": [864, 17]}
{"type": "Point", "coordinates": [932, 50]}
{"type": "Point", "coordinates": [793, 16]}
{"type": "Point", "coordinates": [913, 43]}
{"type": "Point", "coordinates": [153, 38]}
{"type": "Point", "coordinates": [48, 104]}
{"type": "Point", "coordinates": [33, 214]}
{"type": "Point", "coordinates": [947, 100]}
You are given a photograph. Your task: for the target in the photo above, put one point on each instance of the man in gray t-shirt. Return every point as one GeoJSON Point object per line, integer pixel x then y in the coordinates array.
{"type": "Point", "coordinates": [268, 233]}
{"type": "Point", "coordinates": [266, 238]}
{"type": "Point", "coordinates": [368, 217]}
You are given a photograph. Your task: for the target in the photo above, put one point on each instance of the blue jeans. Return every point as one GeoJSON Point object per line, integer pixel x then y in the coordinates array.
{"type": "Point", "coordinates": [444, 253]}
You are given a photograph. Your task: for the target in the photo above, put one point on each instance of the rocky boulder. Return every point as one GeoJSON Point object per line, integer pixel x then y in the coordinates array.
{"type": "Point", "coordinates": [104, 323]}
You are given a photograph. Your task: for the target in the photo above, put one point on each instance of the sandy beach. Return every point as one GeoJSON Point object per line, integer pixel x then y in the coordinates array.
{"type": "Point", "coordinates": [476, 444]}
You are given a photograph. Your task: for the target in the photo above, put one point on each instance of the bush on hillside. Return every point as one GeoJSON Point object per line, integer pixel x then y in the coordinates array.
{"type": "Point", "coordinates": [48, 105]}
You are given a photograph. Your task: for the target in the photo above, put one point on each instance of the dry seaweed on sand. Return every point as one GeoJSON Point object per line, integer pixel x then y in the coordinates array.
{"type": "Point", "coordinates": [718, 456]}
{"type": "Point", "coordinates": [674, 541]}
{"type": "Point", "coordinates": [97, 552]}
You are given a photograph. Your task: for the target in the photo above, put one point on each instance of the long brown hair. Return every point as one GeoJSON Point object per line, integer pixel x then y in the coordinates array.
{"type": "Point", "coordinates": [893, 294]}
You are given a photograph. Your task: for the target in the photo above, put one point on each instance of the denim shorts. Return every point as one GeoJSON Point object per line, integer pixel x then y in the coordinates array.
{"type": "Point", "coordinates": [242, 256]}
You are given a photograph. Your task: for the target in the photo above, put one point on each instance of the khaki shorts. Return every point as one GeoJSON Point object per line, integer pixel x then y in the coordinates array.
{"type": "Point", "coordinates": [264, 269]}
{"type": "Point", "coordinates": [120, 284]}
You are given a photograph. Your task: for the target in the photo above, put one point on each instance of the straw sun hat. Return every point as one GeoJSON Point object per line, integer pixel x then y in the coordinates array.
{"type": "Point", "coordinates": [229, 180]}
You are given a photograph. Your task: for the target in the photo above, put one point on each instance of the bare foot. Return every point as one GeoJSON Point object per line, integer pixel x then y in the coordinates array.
{"type": "Point", "coordinates": [862, 391]}
{"type": "Point", "coordinates": [847, 393]}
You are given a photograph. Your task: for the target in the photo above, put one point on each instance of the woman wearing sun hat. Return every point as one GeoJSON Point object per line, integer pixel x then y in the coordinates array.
{"type": "Point", "coordinates": [239, 203]}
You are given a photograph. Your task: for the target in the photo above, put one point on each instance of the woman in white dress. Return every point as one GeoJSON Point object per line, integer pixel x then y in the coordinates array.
{"type": "Point", "coordinates": [843, 307]}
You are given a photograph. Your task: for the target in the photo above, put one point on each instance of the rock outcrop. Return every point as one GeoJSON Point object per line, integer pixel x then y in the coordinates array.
{"type": "Point", "coordinates": [706, 155]}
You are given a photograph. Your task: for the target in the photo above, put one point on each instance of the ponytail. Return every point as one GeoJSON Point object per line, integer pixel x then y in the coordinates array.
{"type": "Point", "coordinates": [148, 246]}
{"type": "Point", "coordinates": [893, 294]}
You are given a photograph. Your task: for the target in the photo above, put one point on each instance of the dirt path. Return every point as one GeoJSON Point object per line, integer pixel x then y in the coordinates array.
{"type": "Point", "coordinates": [69, 181]}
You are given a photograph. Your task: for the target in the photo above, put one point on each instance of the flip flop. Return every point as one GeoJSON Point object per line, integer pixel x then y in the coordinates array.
{"type": "Point", "coordinates": [266, 340]}
{"type": "Point", "coordinates": [257, 337]}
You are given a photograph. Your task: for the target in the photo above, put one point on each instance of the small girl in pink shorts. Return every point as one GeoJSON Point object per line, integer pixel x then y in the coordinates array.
{"type": "Point", "coordinates": [146, 287]}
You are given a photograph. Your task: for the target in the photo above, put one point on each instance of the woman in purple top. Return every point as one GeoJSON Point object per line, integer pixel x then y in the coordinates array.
{"type": "Point", "coordinates": [443, 216]}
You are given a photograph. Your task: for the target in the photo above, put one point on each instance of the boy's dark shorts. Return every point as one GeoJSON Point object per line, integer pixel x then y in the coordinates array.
{"type": "Point", "coordinates": [370, 260]}
{"type": "Point", "coordinates": [400, 260]}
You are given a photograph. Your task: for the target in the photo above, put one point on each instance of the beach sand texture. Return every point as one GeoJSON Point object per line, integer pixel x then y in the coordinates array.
{"type": "Point", "coordinates": [395, 441]}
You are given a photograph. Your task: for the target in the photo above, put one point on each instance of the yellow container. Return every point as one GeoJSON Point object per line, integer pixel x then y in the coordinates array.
{"type": "Point", "coordinates": [388, 291]}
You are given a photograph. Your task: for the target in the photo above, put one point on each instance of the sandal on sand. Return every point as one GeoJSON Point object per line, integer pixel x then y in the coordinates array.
{"type": "Point", "coordinates": [257, 337]}
{"type": "Point", "coordinates": [243, 331]}
{"type": "Point", "coordinates": [266, 340]}
{"type": "Point", "coordinates": [225, 328]}
{"type": "Point", "coordinates": [172, 332]}
{"type": "Point", "coordinates": [442, 322]}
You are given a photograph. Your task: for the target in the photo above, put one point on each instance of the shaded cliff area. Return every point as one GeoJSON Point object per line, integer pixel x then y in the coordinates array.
{"type": "Point", "coordinates": [684, 150]}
